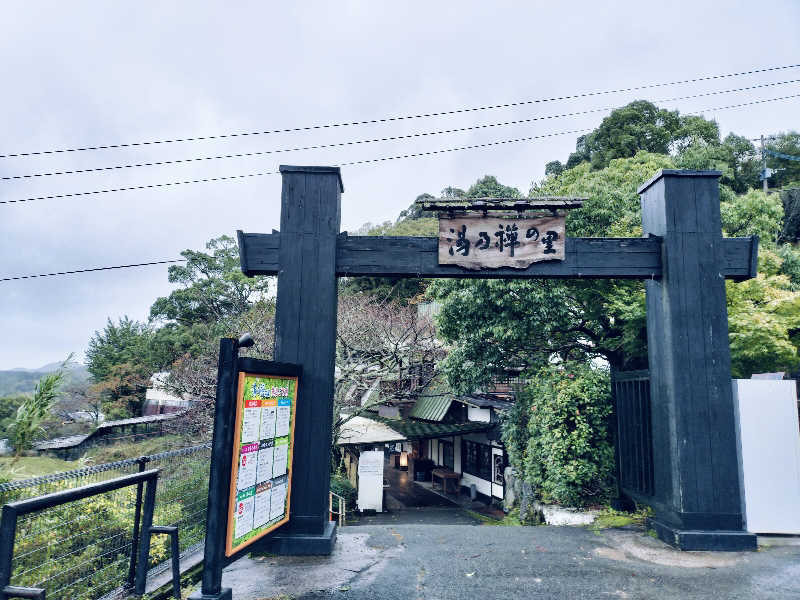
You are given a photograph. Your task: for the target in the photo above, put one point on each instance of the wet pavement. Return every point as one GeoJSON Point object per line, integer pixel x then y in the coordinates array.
{"type": "Point", "coordinates": [442, 562]}
{"type": "Point", "coordinates": [403, 493]}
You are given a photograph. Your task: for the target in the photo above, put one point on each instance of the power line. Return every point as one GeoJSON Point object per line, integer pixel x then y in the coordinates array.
{"type": "Point", "coordinates": [382, 139]}
{"type": "Point", "coordinates": [358, 162]}
{"type": "Point", "coordinates": [263, 173]}
{"type": "Point", "coordinates": [145, 264]}
{"type": "Point", "coordinates": [402, 117]}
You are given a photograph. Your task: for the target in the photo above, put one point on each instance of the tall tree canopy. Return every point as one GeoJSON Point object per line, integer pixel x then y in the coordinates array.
{"type": "Point", "coordinates": [787, 171]}
{"type": "Point", "coordinates": [639, 126]}
{"type": "Point", "coordinates": [498, 325]}
{"type": "Point", "coordinates": [213, 287]}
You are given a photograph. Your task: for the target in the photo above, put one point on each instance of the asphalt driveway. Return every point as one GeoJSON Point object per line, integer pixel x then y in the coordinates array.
{"type": "Point", "coordinates": [442, 562]}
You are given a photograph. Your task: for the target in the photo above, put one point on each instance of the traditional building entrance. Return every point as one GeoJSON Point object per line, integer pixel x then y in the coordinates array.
{"type": "Point", "coordinates": [696, 490]}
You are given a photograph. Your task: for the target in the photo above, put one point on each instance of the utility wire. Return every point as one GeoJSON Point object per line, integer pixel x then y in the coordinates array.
{"type": "Point", "coordinates": [402, 117]}
{"type": "Point", "coordinates": [145, 264]}
{"type": "Point", "coordinates": [358, 162]}
{"type": "Point", "coordinates": [383, 139]}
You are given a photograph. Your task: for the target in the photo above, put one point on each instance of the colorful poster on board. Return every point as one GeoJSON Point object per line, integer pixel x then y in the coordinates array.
{"type": "Point", "coordinates": [262, 457]}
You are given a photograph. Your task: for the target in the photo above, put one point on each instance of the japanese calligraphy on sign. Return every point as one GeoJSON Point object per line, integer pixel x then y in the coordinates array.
{"type": "Point", "coordinates": [489, 242]}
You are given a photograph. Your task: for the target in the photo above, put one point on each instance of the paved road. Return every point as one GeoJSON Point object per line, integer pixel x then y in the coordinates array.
{"type": "Point", "coordinates": [442, 562]}
{"type": "Point", "coordinates": [432, 515]}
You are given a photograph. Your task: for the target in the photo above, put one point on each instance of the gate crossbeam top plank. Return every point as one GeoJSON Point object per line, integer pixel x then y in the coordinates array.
{"type": "Point", "coordinates": [511, 204]}
{"type": "Point", "coordinates": [588, 258]}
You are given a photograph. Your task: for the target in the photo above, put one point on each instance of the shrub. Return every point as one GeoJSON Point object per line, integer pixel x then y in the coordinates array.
{"type": "Point", "coordinates": [557, 435]}
{"type": "Point", "coordinates": [342, 486]}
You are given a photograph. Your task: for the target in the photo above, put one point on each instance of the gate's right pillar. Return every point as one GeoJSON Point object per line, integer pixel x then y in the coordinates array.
{"type": "Point", "coordinates": [697, 491]}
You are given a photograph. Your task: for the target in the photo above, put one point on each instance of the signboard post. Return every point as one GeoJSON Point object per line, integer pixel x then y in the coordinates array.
{"type": "Point", "coordinates": [251, 458]}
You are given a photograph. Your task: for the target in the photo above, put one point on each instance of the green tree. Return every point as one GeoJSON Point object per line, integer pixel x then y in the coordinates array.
{"type": "Point", "coordinates": [557, 434]}
{"type": "Point", "coordinates": [35, 409]}
{"type": "Point", "coordinates": [735, 157]}
{"type": "Point", "coordinates": [499, 325]}
{"type": "Point", "coordinates": [213, 287]}
{"type": "Point", "coordinates": [125, 342]}
{"type": "Point", "coordinates": [641, 126]}
{"type": "Point", "coordinates": [787, 171]}
{"type": "Point", "coordinates": [8, 411]}
{"type": "Point", "coordinates": [764, 319]}
{"type": "Point", "coordinates": [554, 167]}
{"type": "Point", "coordinates": [488, 187]}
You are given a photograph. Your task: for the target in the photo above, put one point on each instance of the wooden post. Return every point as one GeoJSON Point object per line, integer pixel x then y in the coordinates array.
{"type": "Point", "coordinates": [697, 495]}
{"type": "Point", "coordinates": [305, 334]}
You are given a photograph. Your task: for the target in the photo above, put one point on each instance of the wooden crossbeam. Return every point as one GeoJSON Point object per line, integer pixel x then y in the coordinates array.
{"type": "Point", "coordinates": [504, 204]}
{"type": "Point", "coordinates": [586, 258]}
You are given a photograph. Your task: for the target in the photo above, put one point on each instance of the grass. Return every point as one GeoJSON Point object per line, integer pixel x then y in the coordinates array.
{"type": "Point", "coordinates": [120, 451]}
{"type": "Point", "coordinates": [609, 518]}
{"type": "Point", "coordinates": [510, 520]}
{"type": "Point", "coordinates": [34, 466]}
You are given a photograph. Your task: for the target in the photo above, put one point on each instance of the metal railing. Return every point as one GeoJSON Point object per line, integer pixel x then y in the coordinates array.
{"type": "Point", "coordinates": [342, 512]}
{"type": "Point", "coordinates": [18, 526]}
{"type": "Point", "coordinates": [99, 529]}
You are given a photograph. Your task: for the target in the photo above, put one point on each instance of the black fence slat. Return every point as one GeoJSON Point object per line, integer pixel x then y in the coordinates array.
{"type": "Point", "coordinates": [634, 435]}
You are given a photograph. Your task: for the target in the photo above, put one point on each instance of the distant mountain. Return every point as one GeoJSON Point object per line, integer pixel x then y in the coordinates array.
{"type": "Point", "coordinates": [23, 381]}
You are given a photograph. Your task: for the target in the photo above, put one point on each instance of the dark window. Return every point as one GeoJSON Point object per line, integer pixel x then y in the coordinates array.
{"type": "Point", "coordinates": [447, 455]}
{"type": "Point", "coordinates": [476, 459]}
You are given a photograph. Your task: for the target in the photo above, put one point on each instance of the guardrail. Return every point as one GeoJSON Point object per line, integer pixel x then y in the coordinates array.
{"type": "Point", "coordinates": [341, 514]}
{"type": "Point", "coordinates": [13, 511]}
{"type": "Point", "coordinates": [55, 546]}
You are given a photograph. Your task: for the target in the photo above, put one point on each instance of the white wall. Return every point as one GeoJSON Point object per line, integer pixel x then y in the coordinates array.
{"type": "Point", "coordinates": [370, 480]}
{"type": "Point", "coordinates": [482, 415]}
{"type": "Point", "coordinates": [767, 432]}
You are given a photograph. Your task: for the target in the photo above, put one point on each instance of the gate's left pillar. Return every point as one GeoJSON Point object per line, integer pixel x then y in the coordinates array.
{"type": "Point", "coordinates": [305, 334]}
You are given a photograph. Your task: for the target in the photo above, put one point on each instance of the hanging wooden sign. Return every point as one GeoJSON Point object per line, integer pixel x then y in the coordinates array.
{"type": "Point", "coordinates": [490, 242]}
{"type": "Point", "coordinates": [261, 470]}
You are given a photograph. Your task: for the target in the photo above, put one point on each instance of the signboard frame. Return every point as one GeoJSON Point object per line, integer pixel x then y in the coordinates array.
{"type": "Point", "coordinates": [261, 369]}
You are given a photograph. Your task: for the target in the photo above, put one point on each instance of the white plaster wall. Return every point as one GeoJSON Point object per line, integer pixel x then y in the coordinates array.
{"type": "Point", "coordinates": [483, 486]}
{"type": "Point", "coordinates": [769, 440]}
{"type": "Point", "coordinates": [482, 415]}
{"type": "Point", "coordinates": [370, 480]}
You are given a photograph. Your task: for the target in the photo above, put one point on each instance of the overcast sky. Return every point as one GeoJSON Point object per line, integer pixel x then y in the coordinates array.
{"type": "Point", "coordinates": [93, 73]}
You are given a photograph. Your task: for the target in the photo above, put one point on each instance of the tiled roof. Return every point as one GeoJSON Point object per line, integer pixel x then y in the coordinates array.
{"type": "Point", "coordinates": [487, 401]}
{"type": "Point", "coordinates": [431, 408]}
{"type": "Point", "coordinates": [413, 429]}
{"type": "Point", "coordinates": [434, 401]}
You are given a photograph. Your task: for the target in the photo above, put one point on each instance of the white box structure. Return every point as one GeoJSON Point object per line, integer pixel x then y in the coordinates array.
{"type": "Point", "coordinates": [370, 480]}
{"type": "Point", "coordinates": [769, 457]}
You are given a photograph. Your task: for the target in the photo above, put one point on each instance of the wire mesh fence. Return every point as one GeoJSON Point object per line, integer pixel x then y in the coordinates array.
{"type": "Point", "coordinates": [82, 550]}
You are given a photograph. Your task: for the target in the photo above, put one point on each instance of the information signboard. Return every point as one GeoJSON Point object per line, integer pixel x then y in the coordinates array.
{"type": "Point", "coordinates": [261, 470]}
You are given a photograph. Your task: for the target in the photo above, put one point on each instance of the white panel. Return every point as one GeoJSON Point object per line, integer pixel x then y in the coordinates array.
{"type": "Point", "coordinates": [497, 489]}
{"type": "Point", "coordinates": [482, 415]}
{"type": "Point", "coordinates": [483, 486]}
{"type": "Point", "coordinates": [770, 454]}
{"type": "Point", "coordinates": [370, 480]}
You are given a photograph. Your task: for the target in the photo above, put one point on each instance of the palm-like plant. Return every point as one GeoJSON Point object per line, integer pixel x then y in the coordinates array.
{"type": "Point", "coordinates": [35, 409]}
